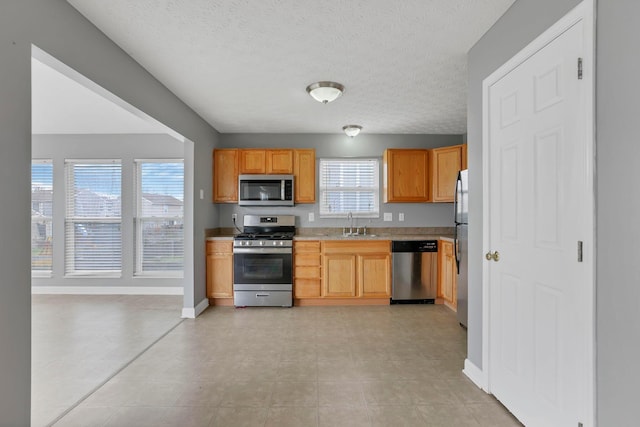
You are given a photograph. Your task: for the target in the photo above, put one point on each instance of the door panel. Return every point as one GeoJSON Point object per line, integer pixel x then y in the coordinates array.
{"type": "Point", "coordinates": [536, 184]}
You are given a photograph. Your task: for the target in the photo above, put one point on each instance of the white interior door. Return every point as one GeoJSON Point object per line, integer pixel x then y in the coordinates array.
{"type": "Point", "coordinates": [539, 183]}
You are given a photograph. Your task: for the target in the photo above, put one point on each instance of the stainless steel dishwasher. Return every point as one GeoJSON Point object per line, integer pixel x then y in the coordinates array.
{"type": "Point", "coordinates": [415, 271]}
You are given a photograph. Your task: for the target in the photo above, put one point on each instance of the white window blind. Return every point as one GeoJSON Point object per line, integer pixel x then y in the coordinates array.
{"type": "Point", "coordinates": [349, 185]}
{"type": "Point", "coordinates": [41, 216]}
{"type": "Point", "coordinates": [93, 234]}
{"type": "Point", "coordinates": [160, 217]}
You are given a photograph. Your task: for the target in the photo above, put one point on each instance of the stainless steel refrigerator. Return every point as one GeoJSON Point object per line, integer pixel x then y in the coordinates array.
{"type": "Point", "coordinates": [461, 211]}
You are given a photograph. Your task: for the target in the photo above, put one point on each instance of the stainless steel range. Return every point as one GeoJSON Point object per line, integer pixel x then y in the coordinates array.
{"type": "Point", "coordinates": [263, 261]}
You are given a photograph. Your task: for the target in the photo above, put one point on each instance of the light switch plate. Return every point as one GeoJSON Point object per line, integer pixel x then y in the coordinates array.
{"type": "Point", "coordinates": [312, 217]}
{"type": "Point", "coordinates": [388, 216]}
{"type": "Point", "coordinates": [201, 194]}
{"type": "Point", "coordinates": [401, 216]}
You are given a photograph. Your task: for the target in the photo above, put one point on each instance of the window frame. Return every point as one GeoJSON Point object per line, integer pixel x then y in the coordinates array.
{"type": "Point", "coordinates": [49, 220]}
{"type": "Point", "coordinates": [323, 188]}
{"type": "Point", "coordinates": [71, 220]}
{"type": "Point", "coordinates": [138, 220]}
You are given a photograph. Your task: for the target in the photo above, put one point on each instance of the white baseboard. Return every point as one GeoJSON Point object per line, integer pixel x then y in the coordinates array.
{"type": "Point", "coordinates": [107, 290]}
{"type": "Point", "coordinates": [192, 313]}
{"type": "Point", "coordinates": [474, 374]}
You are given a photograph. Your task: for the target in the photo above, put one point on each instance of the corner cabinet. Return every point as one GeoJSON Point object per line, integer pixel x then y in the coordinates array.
{"type": "Point", "coordinates": [225, 175]}
{"type": "Point", "coordinates": [406, 175]}
{"type": "Point", "coordinates": [356, 269]}
{"type": "Point", "coordinates": [447, 274]}
{"type": "Point", "coordinates": [220, 270]}
{"type": "Point", "coordinates": [445, 164]}
{"type": "Point", "coordinates": [304, 172]}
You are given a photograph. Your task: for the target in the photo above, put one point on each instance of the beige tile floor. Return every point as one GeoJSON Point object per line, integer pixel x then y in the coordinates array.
{"type": "Point", "coordinates": [80, 341]}
{"type": "Point", "coordinates": [305, 366]}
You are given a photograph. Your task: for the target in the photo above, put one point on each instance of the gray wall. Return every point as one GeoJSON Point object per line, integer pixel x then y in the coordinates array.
{"type": "Point", "coordinates": [522, 23]}
{"type": "Point", "coordinates": [60, 30]}
{"type": "Point", "coordinates": [128, 148]}
{"type": "Point", "coordinates": [617, 210]}
{"type": "Point", "coordinates": [340, 145]}
{"type": "Point", "coordinates": [617, 267]}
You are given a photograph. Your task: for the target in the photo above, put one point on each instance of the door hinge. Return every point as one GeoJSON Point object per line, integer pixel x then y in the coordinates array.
{"type": "Point", "coordinates": [579, 250]}
{"type": "Point", "coordinates": [579, 68]}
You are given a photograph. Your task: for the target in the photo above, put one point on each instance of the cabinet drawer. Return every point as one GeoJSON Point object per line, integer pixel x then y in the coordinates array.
{"type": "Point", "coordinates": [311, 246]}
{"type": "Point", "coordinates": [219, 247]}
{"type": "Point", "coordinates": [305, 288]}
{"type": "Point", "coordinates": [307, 272]}
{"type": "Point", "coordinates": [307, 259]}
{"type": "Point", "coordinates": [369, 246]}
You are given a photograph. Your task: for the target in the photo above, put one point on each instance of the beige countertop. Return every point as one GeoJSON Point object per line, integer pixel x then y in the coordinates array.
{"type": "Point", "coordinates": [375, 233]}
{"type": "Point", "coordinates": [305, 237]}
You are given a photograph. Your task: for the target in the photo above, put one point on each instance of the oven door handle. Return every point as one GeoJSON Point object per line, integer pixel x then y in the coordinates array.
{"type": "Point", "coordinates": [262, 250]}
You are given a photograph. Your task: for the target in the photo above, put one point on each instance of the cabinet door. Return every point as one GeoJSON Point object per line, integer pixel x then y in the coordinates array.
{"type": "Point", "coordinates": [445, 164]}
{"type": "Point", "coordinates": [339, 275]}
{"type": "Point", "coordinates": [225, 176]}
{"type": "Point", "coordinates": [280, 161]}
{"type": "Point", "coordinates": [446, 272]}
{"type": "Point", "coordinates": [464, 157]}
{"type": "Point", "coordinates": [406, 177]}
{"type": "Point", "coordinates": [253, 161]}
{"type": "Point", "coordinates": [219, 270]}
{"type": "Point", "coordinates": [304, 171]}
{"type": "Point", "coordinates": [374, 275]}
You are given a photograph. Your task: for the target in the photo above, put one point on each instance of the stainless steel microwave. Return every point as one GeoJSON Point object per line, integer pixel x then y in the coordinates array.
{"type": "Point", "coordinates": [265, 190]}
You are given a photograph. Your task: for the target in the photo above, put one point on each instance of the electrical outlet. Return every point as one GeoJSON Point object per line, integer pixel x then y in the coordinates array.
{"type": "Point", "coordinates": [401, 216]}
{"type": "Point", "coordinates": [234, 217]}
{"type": "Point", "coordinates": [312, 217]}
{"type": "Point", "coordinates": [388, 216]}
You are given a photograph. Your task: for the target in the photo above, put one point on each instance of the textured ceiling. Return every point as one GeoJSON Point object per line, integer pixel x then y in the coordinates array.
{"type": "Point", "coordinates": [244, 65]}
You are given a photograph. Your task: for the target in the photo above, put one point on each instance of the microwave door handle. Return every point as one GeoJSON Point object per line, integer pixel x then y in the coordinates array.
{"type": "Point", "coordinates": [282, 189]}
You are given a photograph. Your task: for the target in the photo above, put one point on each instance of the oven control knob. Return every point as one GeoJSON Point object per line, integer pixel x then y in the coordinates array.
{"type": "Point", "coordinates": [274, 243]}
{"type": "Point", "coordinates": [281, 243]}
{"type": "Point", "coordinates": [261, 243]}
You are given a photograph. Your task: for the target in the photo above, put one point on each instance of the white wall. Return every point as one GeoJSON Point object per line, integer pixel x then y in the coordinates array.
{"type": "Point", "coordinates": [128, 148]}
{"type": "Point", "coordinates": [340, 145]}
{"type": "Point", "coordinates": [57, 28]}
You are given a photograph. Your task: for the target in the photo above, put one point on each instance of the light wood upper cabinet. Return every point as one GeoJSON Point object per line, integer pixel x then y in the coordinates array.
{"type": "Point", "coordinates": [258, 161]}
{"type": "Point", "coordinates": [464, 157]}
{"type": "Point", "coordinates": [253, 161]}
{"type": "Point", "coordinates": [359, 269]}
{"type": "Point", "coordinates": [219, 269]}
{"type": "Point", "coordinates": [447, 274]}
{"type": "Point", "coordinates": [304, 172]}
{"type": "Point", "coordinates": [406, 175]}
{"type": "Point", "coordinates": [306, 271]}
{"type": "Point", "coordinates": [279, 162]}
{"type": "Point", "coordinates": [445, 164]}
{"type": "Point", "coordinates": [225, 175]}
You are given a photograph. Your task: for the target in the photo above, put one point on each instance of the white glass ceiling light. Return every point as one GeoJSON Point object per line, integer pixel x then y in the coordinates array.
{"type": "Point", "coordinates": [352, 130]}
{"type": "Point", "coordinates": [325, 92]}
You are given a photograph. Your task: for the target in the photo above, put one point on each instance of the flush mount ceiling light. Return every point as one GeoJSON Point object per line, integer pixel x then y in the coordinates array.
{"type": "Point", "coordinates": [352, 130]}
{"type": "Point", "coordinates": [325, 92]}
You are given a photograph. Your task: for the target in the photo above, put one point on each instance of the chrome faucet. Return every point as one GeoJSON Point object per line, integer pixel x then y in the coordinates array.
{"type": "Point", "coordinates": [350, 218]}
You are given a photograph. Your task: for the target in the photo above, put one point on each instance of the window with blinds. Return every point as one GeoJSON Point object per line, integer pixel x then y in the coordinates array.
{"type": "Point", "coordinates": [349, 185]}
{"type": "Point", "coordinates": [93, 232]}
{"type": "Point", "coordinates": [41, 217]}
{"type": "Point", "coordinates": [159, 218]}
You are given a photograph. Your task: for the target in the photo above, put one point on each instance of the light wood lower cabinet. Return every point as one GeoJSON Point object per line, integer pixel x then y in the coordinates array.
{"type": "Point", "coordinates": [447, 274]}
{"type": "Point", "coordinates": [356, 269]}
{"type": "Point", "coordinates": [306, 269]}
{"type": "Point", "coordinates": [220, 269]}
